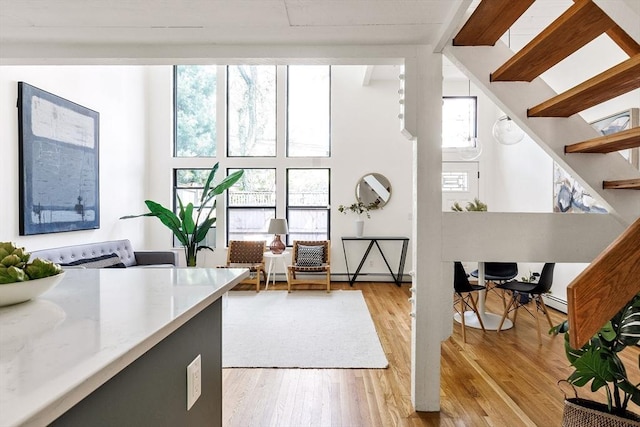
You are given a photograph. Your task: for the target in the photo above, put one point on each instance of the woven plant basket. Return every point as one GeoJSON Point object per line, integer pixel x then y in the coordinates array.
{"type": "Point", "coordinates": [586, 413]}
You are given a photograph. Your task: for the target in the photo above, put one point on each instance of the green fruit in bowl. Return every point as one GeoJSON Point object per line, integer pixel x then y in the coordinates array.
{"type": "Point", "coordinates": [15, 266]}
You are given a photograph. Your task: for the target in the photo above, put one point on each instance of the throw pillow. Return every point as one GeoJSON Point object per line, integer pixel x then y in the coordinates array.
{"type": "Point", "coordinates": [104, 261]}
{"type": "Point", "coordinates": [310, 256]}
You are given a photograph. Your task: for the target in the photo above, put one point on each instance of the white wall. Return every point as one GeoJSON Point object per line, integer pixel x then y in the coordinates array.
{"type": "Point", "coordinates": [118, 94]}
{"type": "Point", "coordinates": [135, 106]}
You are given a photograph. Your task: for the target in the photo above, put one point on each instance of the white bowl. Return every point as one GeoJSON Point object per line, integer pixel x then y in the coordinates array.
{"type": "Point", "coordinates": [13, 293]}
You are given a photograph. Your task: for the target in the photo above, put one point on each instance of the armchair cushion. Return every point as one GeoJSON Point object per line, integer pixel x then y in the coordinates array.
{"type": "Point", "coordinates": [310, 256]}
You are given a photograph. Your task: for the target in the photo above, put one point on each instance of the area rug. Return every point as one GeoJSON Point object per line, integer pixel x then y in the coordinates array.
{"type": "Point", "coordinates": [302, 329]}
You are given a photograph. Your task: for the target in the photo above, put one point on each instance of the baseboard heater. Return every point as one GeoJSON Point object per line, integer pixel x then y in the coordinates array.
{"type": "Point", "coordinates": [556, 303]}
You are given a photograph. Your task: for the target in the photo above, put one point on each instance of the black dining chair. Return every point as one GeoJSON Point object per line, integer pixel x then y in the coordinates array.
{"type": "Point", "coordinates": [496, 273]}
{"type": "Point", "coordinates": [535, 290]}
{"type": "Point", "coordinates": [464, 296]}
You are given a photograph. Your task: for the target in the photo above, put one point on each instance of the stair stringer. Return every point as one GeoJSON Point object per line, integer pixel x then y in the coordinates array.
{"type": "Point", "coordinates": [551, 134]}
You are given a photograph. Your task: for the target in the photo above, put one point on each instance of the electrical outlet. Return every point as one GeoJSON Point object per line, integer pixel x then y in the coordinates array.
{"type": "Point", "coordinates": [194, 381]}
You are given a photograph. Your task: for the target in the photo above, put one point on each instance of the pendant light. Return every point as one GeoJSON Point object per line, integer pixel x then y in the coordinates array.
{"type": "Point", "coordinates": [506, 132]}
{"type": "Point", "coordinates": [473, 149]}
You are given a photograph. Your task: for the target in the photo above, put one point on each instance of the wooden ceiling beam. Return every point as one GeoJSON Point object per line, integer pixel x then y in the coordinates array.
{"type": "Point", "coordinates": [622, 184]}
{"type": "Point", "coordinates": [629, 138]}
{"type": "Point", "coordinates": [490, 20]}
{"type": "Point", "coordinates": [613, 82]}
{"type": "Point", "coordinates": [577, 26]}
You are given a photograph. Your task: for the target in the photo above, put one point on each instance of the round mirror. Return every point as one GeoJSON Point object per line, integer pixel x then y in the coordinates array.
{"type": "Point", "coordinates": [373, 188]}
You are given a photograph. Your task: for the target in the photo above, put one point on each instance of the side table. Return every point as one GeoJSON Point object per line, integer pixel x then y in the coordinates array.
{"type": "Point", "coordinates": [271, 257]}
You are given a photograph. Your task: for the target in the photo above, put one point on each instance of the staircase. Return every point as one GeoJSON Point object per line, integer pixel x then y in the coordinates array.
{"type": "Point", "coordinates": [550, 119]}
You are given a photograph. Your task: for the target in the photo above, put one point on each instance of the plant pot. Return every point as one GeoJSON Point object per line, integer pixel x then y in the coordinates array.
{"type": "Point", "coordinates": [359, 227]}
{"type": "Point", "coordinates": [582, 412]}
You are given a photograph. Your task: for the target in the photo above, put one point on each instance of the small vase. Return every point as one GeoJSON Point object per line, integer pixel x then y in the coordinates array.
{"type": "Point", "coordinates": [359, 227]}
{"type": "Point", "coordinates": [191, 253]}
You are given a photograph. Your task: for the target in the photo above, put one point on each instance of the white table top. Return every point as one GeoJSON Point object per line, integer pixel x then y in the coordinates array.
{"type": "Point", "coordinates": [57, 349]}
{"type": "Point", "coordinates": [269, 254]}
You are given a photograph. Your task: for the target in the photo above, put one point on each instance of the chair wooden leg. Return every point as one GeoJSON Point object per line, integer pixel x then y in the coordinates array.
{"type": "Point", "coordinates": [506, 311]}
{"type": "Point", "coordinates": [328, 282]}
{"type": "Point", "coordinates": [515, 312]}
{"type": "Point", "coordinates": [475, 309]}
{"type": "Point", "coordinates": [464, 334]}
{"type": "Point", "coordinates": [535, 313]}
{"type": "Point", "coordinates": [289, 280]}
{"type": "Point", "coordinates": [257, 281]}
{"type": "Point", "coordinates": [546, 312]}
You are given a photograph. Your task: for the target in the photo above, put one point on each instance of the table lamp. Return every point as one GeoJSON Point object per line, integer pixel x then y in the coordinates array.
{"type": "Point", "coordinates": [277, 227]}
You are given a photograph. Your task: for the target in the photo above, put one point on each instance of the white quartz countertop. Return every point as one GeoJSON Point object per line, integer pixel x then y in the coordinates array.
{"type": "Point", "coordinates": [58, 348]}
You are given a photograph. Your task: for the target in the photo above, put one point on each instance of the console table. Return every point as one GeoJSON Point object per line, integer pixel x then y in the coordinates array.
{"type": "Point", "coordinates": [373, 240]}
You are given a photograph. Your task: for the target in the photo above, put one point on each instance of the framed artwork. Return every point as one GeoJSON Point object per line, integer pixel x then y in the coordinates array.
{"type": "Point", "coordinates": [58, 155]}
{"type": "Point", "coordinates": [623, 120]}
{"type": "Point", "coordinates": [568, 195]}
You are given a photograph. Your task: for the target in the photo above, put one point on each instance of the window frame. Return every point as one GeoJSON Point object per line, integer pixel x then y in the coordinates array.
{"type": "Point", "coordinates": [286, 142]}
{"type": "Point", "coordinates": [289, 207]}
{"type": "Point", "coordinates": [474, 133]}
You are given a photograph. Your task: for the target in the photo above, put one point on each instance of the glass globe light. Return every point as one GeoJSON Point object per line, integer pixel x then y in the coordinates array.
{"type": "Point", "coordinates": [471, 152]}
{"type": "Point", "coordinates": [506, 132]}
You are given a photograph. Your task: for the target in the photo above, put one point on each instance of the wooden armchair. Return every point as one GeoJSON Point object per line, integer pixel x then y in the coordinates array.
{"type": "Point", "coordinates": [310, 256]}
{"type": "Point", "coordinates": [247, 254]}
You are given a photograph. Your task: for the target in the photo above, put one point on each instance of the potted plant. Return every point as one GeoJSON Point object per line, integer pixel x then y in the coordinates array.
{"type": "Point", "coordinates": [191, 227]}
{"type": "Point", "coordinates": [475, 206]}
{"type": "Point", "coordinates": [598, 363]}
{"type": "Point", "coordinates": [358, 208]}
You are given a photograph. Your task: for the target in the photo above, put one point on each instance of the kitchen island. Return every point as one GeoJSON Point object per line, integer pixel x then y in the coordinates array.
{"type": "Point", "coordinates": [111, 347]}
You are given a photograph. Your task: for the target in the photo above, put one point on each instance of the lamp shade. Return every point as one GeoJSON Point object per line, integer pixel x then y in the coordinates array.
{"type": "Point", "coordinates": [278, 226]}
{"type": "Point", "coordinates": [506, 132]}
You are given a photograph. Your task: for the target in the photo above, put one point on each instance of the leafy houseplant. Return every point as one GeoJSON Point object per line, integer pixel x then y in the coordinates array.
{"type": "Point", "coordinates": [598, 361]}
{"type": "Point", "coordinates": [188, 230]}
{"type": "Point", "coordinates": [358, 208]}
{"type": "Point", "coordinates": [475, 206]}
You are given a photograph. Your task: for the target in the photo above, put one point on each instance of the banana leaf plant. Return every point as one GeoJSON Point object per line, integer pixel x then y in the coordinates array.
{"type": "Point", "coordinates": [598, 361]}
{"type": "Point", "coordinates": [191, 231]}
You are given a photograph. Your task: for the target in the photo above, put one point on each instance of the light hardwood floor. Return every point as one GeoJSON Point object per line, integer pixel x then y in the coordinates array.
{"type": "Point", "coordinates": [495, 379]}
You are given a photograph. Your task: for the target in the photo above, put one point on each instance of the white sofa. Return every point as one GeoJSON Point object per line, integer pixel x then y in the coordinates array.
{"type": "Point", "coordinates": [109, 254]}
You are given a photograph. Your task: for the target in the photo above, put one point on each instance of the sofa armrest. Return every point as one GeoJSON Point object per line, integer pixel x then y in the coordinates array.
{"type": "Point", "coordinates": [156, 257]}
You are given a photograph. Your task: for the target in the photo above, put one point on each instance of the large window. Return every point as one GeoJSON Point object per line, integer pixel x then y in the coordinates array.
{"type": "Point", "coordinates": [251, 110]}
{"type": "Point", "coordinates": [277, 117]}
{"type": "Point", "coordinates": [251, 202]}
{"type": "Point", "coordinates": [308, 110]}
{"type": "Point", "coordinates": [189, 185]}
{"type": "Point", "coordinates": [459, 121]}
{"type": "Point", "coordinates": [195, 111]}
{"type": "Point", "coordinates": [308, 204]}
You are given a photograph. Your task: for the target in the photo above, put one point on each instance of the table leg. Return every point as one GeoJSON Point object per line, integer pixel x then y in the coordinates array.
{"type": "Point", "coordinates": [269, 274]}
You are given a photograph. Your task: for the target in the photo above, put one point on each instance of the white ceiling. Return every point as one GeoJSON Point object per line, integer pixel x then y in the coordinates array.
{"type": "Point", "coordinates": [223, 21]}
{"type": "Point", "coordinates": [57, 27]}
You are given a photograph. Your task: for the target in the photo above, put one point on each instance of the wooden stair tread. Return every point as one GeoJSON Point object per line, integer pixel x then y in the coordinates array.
{"type": "Point", "coordinates": [577, 26]}
{"type": "Point", "coordinates": [613, 82]}
{"type": "Point", "coordinates": [490, 21]}
{"type": "Point", "coordinates": [623, 140]}
{"type": "Point", "coordinates": [622, 184]}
